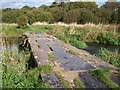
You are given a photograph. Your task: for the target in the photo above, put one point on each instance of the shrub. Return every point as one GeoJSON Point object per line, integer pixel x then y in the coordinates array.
{"type": "Point", "coordinates": [22, 21]}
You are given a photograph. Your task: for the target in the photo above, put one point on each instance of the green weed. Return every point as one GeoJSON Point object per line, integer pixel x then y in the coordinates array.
{"type": "Point", "coordinates": [78, 83]}
{"type": "Point", "coordinates": [51, 57]}
{"type": "Point", "coordinates": [62, 81]}
{"type": "Point", "coordinates": [102, 74]}
{"type": "Point", "coordinates": [45, 69]}
{"type": "Point", "coordinates": [109, 56]}
{"type": "Point", "coordinates": [72, 52]}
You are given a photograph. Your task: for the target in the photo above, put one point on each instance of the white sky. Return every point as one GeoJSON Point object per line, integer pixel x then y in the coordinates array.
{"type": "Point", "coordinates": [35, 3]}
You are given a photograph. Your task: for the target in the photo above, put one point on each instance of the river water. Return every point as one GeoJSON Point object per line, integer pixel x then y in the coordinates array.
{"type": "Point", "coordinates": [93, 48]}
{"type": "Point", "coordinates": [11, 43]}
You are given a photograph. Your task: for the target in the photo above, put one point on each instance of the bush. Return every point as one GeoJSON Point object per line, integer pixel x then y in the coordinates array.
{"type": "Point", "coordinates": [22, 21]}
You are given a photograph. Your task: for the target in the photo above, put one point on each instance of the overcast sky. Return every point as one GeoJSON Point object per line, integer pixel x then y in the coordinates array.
{"type": "Point", "coordinates": [35, 3]}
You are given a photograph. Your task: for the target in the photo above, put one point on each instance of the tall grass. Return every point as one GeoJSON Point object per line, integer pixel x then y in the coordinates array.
{"type": "Point", "coordinates": [105, 34]}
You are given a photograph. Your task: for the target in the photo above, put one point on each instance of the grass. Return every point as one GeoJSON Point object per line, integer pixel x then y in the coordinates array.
{"type": "Point", "coordinates": [45, 69]}
{"type": "Point", "coordinates": [72, 52]}
{"type": "Point", "coordinates": [78, 83]}
{"type": "Point", "coordinates": [62, 81]}
{"type": "Point", "coordinates": [15, 73]}
{"type": "Point", "coordinates": [9, 30]}
{"type": "Point", "coordinates": [51, 57]}
{"type": "Point", "coordinates": [102, 74]}
{"type": "Point", "coordinates": [109, 56]}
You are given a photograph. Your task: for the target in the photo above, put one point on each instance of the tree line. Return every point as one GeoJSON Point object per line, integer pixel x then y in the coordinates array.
{"type": "Point", "coordinates": [70, 12]}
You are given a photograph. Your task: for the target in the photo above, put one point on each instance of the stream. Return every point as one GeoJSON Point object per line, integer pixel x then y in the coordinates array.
{"type": "Point", "coordinates": [94, 48]}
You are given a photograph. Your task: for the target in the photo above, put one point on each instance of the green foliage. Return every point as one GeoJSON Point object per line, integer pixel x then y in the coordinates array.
{"type": "Point", "coordinates": [72, 52]}
{"type": "Point", "coordinates": [79, 12]}
{"type": "Point", "coordinates": [22, 21]}
{"type": "Point", "coordinates": [78, 83]}
{"type": "Point", "coordinates": [102, 74]}
{"type": "Point", "coordinates": [72, 16]}
{"type": "Point", "coordinates": [11, 16]}
{"type": "Point", "coordinates": [61, 79]}
{"type": "Point", "coordinates": [57, 13]}
{"type": "Point", "coordinates": [30, 17]}
{"type": "Point", "coordinates": [110, 57]}
{"type": "Point", "coordinates": [15, 73]}
{"type": "Point", "coordinates": [41, 15]}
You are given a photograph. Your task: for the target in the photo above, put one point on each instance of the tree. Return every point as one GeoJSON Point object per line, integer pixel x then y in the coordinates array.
{"type": "Point", "coordinates": [41, 15]}
{"type": "Point", "coordinates": [72, 16]}
{"type": "Point", "coordinates": [80, 16]}
{"type": "Point", "coordinates": [10, 16]}
{"type": "Point", "coordinates": [30, 17]}
{"type": "Point", "coordinates": [22, 21]}
{"type": "Point", "coordinates": [57, 13]}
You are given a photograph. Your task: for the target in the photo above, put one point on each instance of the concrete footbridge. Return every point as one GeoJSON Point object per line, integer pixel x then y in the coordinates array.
{"type": "Point", "coordinates": [77, 63]}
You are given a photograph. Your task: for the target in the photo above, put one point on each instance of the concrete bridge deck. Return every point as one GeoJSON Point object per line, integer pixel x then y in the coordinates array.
{"type": "Point", "coordinates": [43, 44]}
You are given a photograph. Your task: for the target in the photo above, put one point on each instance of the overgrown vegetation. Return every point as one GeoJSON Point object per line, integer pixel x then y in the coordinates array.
{"type": "Point", "coordinates": [16, 71]}
{"type": "Point", "coordinates": [109, 56]}
{"type": "Point", "coordinates": [62, 81]}
{"type": "Point", "coordinates": [78, 84]}
{"type": "Point", "coordinates": [102, 74]}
